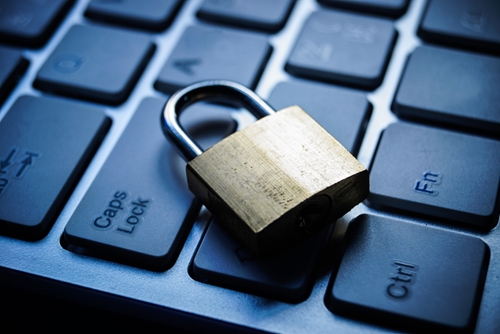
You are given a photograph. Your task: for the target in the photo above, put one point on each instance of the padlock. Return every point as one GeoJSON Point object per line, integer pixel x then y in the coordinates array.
{"type": "Point", "coordinates": [273, 183]}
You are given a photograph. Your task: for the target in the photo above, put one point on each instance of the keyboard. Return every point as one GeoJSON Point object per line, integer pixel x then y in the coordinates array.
{"type": "Point", "coordinates": [99, 230]}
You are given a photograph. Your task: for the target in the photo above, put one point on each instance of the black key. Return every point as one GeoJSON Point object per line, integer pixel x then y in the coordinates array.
{"type": "Point", "coordinates": [30, 23]}
{"type": "Point", "coordinates": [138, 209]}
{"type": "Point", "coordinates": [342, 112]}
{"type": "Point", "coordinates": [45, 144]}
{"type": "Point", "coordinates": [13, 67]}
{"type": "Point", "coordinates": [152, 14]}
{"type": "Point", "coordinates": [204, 53]}
{"type": "Point", "coordinates": [392, 8]}
{"type": "Point", "coordinates": [222, 260]}
{"type": "Point", "coordinates": [408, 275]}
{"type": "Point", "coordinates": [207, 124]}
{"type": "Point", "coordinates": [342, 47]}
{"type": "Point", "coordinates": [471, 24]}
{"type": "Point", "coordinates": [436, 172]}
{"type": "Point", "coordinates": [453, 87]}
{"type": "Point", "coordinates": [96, 63]}
{"type": "Point", "coordinates": [257, 14]}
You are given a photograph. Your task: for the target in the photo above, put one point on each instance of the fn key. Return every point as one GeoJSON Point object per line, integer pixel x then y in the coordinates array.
{"type": "Point", "coordinates": [435, 172]}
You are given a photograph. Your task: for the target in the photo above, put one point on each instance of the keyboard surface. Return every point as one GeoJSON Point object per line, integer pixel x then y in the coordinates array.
{"type": "Point", "coordinates": [95, 214]}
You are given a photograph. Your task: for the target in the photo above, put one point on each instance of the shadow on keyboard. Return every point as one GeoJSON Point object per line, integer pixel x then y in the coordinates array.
{"type": "Point", "coordinates": [98, 228]}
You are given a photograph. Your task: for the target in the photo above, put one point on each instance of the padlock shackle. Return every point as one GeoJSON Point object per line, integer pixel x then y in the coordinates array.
{"type": "Point", "coordinates": [214, 91]}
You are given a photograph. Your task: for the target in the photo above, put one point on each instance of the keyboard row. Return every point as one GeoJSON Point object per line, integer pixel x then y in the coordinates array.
{"type": "Point", "coordinates": [470, 23]}
{"type": "Point", "coordinates": [103, 64]}
{"type": "Point", "coordinates": [446, 174]}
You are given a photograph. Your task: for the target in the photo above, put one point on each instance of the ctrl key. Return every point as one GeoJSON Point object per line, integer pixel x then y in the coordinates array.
{"type": "Point", "coordinates": [409, 275]}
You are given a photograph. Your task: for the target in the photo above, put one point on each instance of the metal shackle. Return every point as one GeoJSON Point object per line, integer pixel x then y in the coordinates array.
{"type": "Point", "coordinates": [213, 91]}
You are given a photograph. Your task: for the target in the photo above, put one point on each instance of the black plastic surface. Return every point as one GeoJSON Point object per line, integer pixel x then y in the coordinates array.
{"type": "Point", "coordinates": [208, 53]}
{"type": "Point", "coordinates": [151, 14]}
{"type": "Point", "coordinates": [138, 208]}
{"type": "Point", "coordinates": [343, 47]}
{"type": "Point", "coordinates": [452, 87]}
{"type": "Point", "coordinates": [257, 14]}
{"type": "Point", "coordinates": [207, 124]}
{"type": "Point", "coordinates": [96, 63]}
{"type": "Point", "coordinates": [221, 259]}
{"type": "Point", "coordinates": [13, 65]}
{"type": "Point", "coordinates": [437, 172]}
{"type": "Point", "coordinates": [409, 275]}
{"type": "Point", "coordinates": [30, 23]}
{"type": "Point", "coordinates": [45, 144]}
{"type": "Point", "coordinates": [341, 111]}
{"type": "Point", "coordinates": [470, 24]}
{"type": "Point", "coordinates": [392, 8]}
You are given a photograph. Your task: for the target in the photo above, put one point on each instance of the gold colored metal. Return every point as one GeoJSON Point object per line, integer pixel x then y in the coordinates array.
{"type": "Point", "coordinates": [278, 180]}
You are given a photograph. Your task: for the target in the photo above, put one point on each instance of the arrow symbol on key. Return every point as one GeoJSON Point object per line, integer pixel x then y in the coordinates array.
{"type": "Point", "coordinates": [7, 161]}
{"type": "Point", "coordinates": [28, 161]}
{"type": "Point", "coordinates": [186, 65]}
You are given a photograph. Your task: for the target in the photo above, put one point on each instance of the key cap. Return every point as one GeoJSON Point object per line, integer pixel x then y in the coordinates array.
{"type": "Point", "coordinates": [13, 67]}
{"type": "Point", "coordinates": [392, 8]}
{"type": "Point", "coordinates": [471, 24]}
{"type": "Point", "coordinates": [258, 14]}
{"type": "Point", "coordinates": [207, 124]}
{"type": "Point", "coordinates": [138, 209]}
{"type": "Point", "coordinates": [30, 23]}
{"type": "Point", "coordinates": [45, 144]}
{"type": "Point", "coordinates": [342, 112]}
{"type": "Point", "coordinates": [436, 172]}
{"type": "Point", "coordinates": [408, 275]}
{"type": "Point", "coordinates": [152, 14]}
{"type": "Point", "coordinates": [204, 54]}
{"type": "Point", "coordinates": [451, 87]}
{"type": "Point", "coordinates": [342, 47]}
{"type": "Point", "coordinates": [96, 63]}
{"type": "Point", "coordinates": [222, 260]}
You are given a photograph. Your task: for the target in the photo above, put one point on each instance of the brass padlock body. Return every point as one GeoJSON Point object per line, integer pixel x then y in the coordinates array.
{"type": "Point", "coordinates": [278, 180]}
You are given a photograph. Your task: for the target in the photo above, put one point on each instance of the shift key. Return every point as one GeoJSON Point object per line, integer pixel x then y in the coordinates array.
{"type": "Point", "coordinates": [138, 210]}
{"type": "Point", "coordinates": [45, 144]}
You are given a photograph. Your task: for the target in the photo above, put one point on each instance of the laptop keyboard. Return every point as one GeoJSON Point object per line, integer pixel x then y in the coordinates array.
{"type": "Point", "coordinates": [94, 205]}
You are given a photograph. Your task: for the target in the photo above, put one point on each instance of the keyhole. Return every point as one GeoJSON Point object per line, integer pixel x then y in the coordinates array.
{"type": "Point", "coordinates": [315, 211]}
